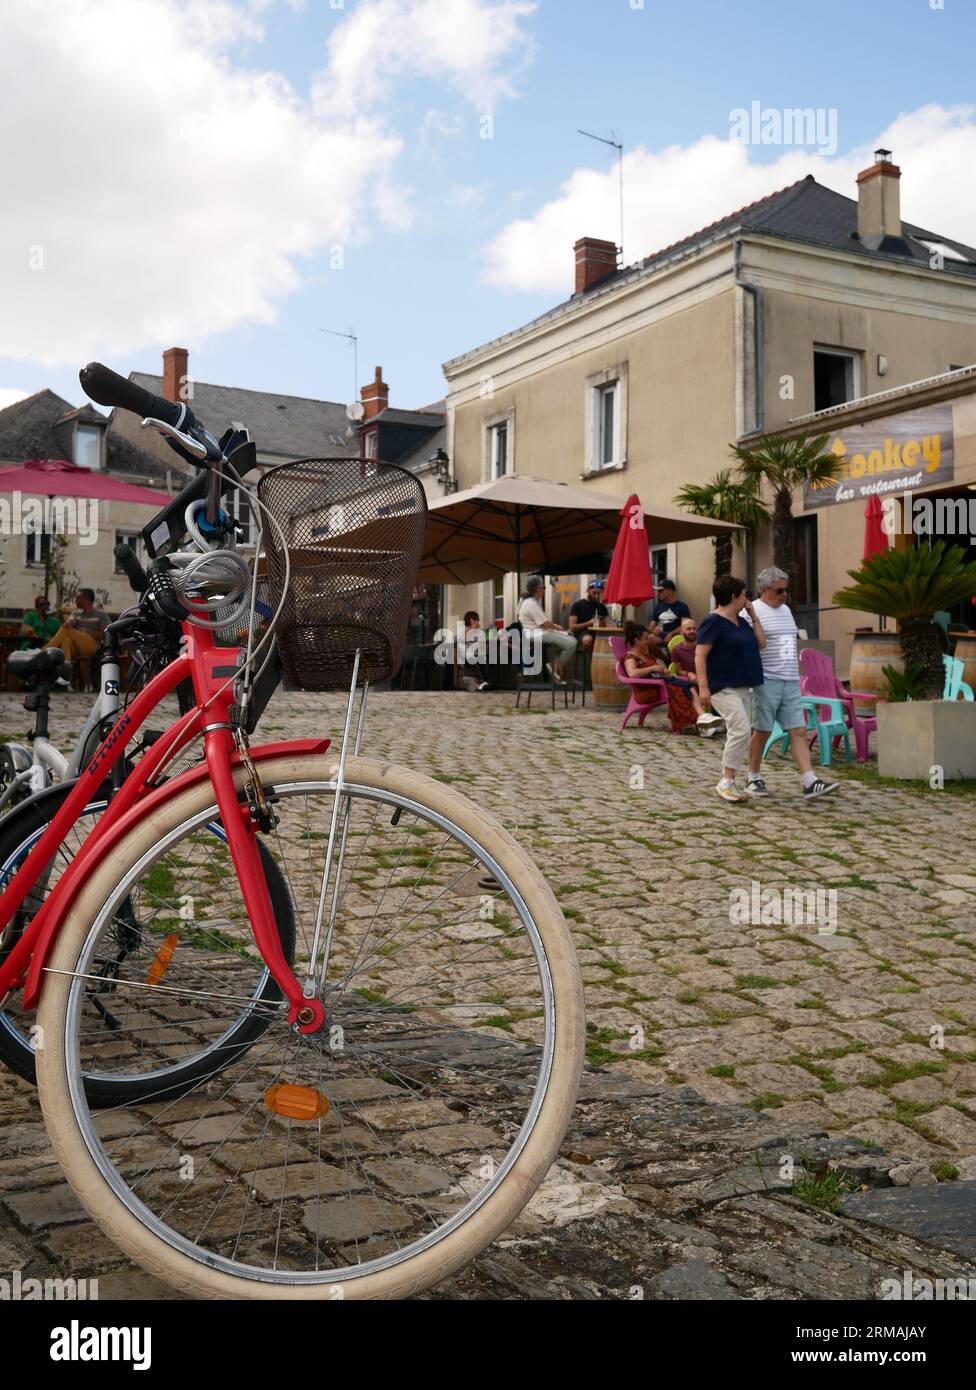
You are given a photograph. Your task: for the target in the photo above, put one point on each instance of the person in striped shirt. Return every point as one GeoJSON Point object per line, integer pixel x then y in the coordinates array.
{"type": "Point", "coordinates": [778, 699]}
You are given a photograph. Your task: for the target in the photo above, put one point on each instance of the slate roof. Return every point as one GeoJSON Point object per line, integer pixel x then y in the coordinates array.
{"type": "Point", "coordinates": [418, 457]}
{"type": "Point", "coordinates": [40, 427]}
{"type": "Point", "coordinates": [808, 211]}
{"type": "Point", "coordinates": [291, 427]}
{"type": "Point", "coordinates": [804, 211]}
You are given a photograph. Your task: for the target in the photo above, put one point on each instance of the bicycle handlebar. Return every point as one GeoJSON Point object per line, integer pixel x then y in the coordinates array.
{"type": "Point", "coordinates": [106, 387]}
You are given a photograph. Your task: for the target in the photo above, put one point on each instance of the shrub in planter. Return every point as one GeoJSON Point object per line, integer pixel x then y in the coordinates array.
{"type": "Point", "coordinates": [911, 586]}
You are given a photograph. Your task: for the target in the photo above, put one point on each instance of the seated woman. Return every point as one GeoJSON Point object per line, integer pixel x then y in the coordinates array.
{"type": "Point", "coordinates": [645, 660]}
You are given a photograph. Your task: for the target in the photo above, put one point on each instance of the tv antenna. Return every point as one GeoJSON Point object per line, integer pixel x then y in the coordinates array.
{"type": "Point", "coordinates": [352, 338]}
{"type": "Point", "coordinates": [617, 145]}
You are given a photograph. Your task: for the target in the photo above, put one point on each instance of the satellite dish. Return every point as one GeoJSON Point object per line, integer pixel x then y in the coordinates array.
{"type": "Point", "coordinates": [356, 411]}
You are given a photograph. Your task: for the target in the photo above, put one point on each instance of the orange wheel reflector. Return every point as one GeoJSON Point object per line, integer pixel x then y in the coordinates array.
{"type": "Point", "coordinates": [296, 1102]}
{"type": "Point", "coordinates": [163, 957]}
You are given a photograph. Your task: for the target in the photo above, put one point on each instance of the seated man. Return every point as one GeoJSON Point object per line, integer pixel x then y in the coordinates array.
{"type": "Point", "coordinates": [37, 625]}
{"type": "Point", "coordinates": [669, 609]}
{"type": "Point", "coordinates": [587, 613]}
{"type": "Point", "coordinates": [682, 653]}
{"type": "Point", "coordinates": [79, 637]}
{"type": "Point", "coordinates": [538, 627]}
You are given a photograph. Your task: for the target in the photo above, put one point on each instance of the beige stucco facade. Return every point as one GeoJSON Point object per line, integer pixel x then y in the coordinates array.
{"type": "Point", "coordinates": [714, 347]}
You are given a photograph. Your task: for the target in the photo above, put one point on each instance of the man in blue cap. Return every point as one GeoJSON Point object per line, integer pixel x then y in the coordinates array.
{"type": "Point", "coordinates": [586, 613]}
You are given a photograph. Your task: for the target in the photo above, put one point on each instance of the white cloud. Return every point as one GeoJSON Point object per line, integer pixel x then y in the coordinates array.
{"type": "Point", "coordinates": [476, 47]}
{"type": "Point", "coordinates": [672, 192]}
{"type": "Point", "coordinates": [9, 395]}
{"type": "Point", "coordinates": [157, 190]}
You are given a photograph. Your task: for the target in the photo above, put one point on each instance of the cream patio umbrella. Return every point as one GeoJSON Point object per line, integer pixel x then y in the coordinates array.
{"type": "Point", "coordinates": [516, 521]}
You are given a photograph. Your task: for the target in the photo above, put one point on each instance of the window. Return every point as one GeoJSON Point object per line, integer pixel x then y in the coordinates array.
{"type": "Point", "coordinates": [88, 446]}
{"type": "Point", "coordinates": [498, 599]}
{"type": "Point", "coordinates": [372, 439]}
{"type": "Point", "coordinates": [659, 565]}
{"type": "Point", "coordinates": [835, 377]}
{"type": "Point", "coordinates": [605, 421]}
{"type": "Point", "coordinates": [499, 450]}
{"type": "Point", "coordinates": [38, 547]}
{"type": "Point", "coordinates": [240, 509]}
{"type": "Point", "coordinates": [135, 541]}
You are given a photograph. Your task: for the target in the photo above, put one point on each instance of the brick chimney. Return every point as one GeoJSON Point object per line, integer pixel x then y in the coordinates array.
{"type": "Point", "coordinates": [878, 200]}
{"type": "Point", "coordinates": [375, 396]}
{"type": "Point", "coordinates": [176, 374]}
{"type": "Point", "coordinates": [595, 260]}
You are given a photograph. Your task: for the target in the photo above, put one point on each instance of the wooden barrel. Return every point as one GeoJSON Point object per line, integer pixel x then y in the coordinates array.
{"type": "Point", "coordinates": [871, 652]}
{"type": "Point", "coordinates": [608, 693]}
{"type": "Point", "coordinates": [965, 651]}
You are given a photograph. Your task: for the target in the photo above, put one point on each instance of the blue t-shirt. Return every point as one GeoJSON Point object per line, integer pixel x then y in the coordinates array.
{"type": "Point", "coordinates": [669, 615]}
{"type": "Point", "coordinates": [734, 659]}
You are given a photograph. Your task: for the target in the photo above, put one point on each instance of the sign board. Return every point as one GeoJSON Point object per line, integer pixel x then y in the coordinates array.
{"type": "Point", "coordinates": [894, 454]}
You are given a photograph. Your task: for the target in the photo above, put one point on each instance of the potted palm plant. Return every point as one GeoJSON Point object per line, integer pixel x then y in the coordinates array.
{"type": "Point", "coordinates": [911, 586]}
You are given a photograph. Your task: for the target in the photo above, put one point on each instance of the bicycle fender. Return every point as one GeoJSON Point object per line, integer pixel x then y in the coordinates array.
{"type": "Point", "coordinates": [55, 909]}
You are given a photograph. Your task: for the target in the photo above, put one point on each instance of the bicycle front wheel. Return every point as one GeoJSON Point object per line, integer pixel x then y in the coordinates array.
{"type": "Point", "coordinates": [380, 1154]}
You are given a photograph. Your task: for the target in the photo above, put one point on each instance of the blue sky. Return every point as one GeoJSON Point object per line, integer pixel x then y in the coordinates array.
{"type": "Point", "coordinates": [414, 224]}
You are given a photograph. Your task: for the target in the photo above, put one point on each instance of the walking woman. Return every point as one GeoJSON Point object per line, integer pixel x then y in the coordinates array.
{"type": "Point", "coordinates": [728, 665]}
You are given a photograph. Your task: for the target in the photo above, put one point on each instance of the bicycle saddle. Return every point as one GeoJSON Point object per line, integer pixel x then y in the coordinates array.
{"type": "Point", "coordinates": [43, 661]}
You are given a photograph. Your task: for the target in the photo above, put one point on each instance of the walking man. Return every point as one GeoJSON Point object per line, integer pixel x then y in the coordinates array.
{"type": "Point", "coordinates": [778, 699]}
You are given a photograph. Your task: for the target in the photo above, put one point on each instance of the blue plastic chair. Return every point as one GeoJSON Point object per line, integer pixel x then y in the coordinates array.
{"type": "Point", "coordinates": [954, 683]}
{"type": "Point", "coordinates": [826, 730]}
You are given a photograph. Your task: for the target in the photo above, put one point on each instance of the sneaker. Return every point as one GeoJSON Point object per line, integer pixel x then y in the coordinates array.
{"type": "Point", "coordinates": [819, 788]}
{"type": "Point", "coordinates": [707, 718]}
{"type": "Point", "coordinates": [62, 684]}
{"type": "Point", "coordinates": [757, 787]}
{"type": "Point", "coordinates": [728, 791]}
{"type": "Point", "coordinates": [484, 686]}
{"type": "Point", "coordinates": [556, 677]}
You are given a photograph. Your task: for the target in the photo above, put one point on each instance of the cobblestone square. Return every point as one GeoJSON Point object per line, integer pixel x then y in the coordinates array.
{"type": "Point", "coordinates": [760, 1027]}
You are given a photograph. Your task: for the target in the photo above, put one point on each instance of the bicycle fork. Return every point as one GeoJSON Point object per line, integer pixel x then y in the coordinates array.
{"type": "Point", "coordinates": [305, 1015]}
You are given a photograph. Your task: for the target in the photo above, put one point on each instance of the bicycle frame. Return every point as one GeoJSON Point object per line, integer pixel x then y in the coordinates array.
{"type": "Point", "coordinates": [212, 670]}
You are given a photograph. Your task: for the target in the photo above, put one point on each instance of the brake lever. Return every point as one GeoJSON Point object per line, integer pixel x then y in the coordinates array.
{"type": "Point", "coordinates": [197, 443]}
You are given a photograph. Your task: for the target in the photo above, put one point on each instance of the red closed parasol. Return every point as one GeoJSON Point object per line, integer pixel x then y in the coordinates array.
{"type": "Point", "coordinates": [629, 580]}
{"type": "Point", "coordinates": [875, 539]}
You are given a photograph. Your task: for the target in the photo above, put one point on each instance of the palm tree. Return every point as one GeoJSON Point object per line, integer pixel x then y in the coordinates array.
{"type": "Point", "coordinates": [726, 498]}
{"type": "Point", "coordinates": [911, 586]}
{"type": "Point", "coordinates": [786, 464]}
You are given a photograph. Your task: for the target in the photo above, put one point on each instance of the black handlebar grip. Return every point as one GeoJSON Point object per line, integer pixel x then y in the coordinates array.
{"type": "Point", "coordinates": [163, 591]}
{"type": "Point", "coordinates": [106, 387]}
{"type": "Point", "coordinates": [129, 560]}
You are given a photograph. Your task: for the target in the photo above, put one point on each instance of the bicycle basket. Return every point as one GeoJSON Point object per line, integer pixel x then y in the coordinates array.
{"type": "Point", "coordinates": [355, 531]}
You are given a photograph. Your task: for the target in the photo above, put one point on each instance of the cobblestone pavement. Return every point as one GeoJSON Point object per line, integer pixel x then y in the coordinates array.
{"type": "Point", "coordinates": [846, 1015]}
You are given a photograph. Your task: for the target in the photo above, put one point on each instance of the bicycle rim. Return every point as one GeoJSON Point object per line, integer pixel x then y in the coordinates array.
{"type": "Point", "coordinates": [432, 1081]}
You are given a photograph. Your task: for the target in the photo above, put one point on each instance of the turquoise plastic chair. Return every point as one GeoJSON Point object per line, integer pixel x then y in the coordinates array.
{"type": "Point", "coordinates": [826, 729]}
{"type": "Point", "coordinates": [954, 683]}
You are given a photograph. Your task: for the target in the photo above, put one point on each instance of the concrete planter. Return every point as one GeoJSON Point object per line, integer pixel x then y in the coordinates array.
{"type": "Point", "coordinates": [916, 737]}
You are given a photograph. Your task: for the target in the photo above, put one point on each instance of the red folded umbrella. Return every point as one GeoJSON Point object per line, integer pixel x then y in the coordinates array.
{"type": "Point", "coordinates": [629, 580]}
{"type": "Point", "coordinates": [875, 540]}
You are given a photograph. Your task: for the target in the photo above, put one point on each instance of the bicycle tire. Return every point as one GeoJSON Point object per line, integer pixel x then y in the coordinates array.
{"type": "Point", "coordinates": [103, 1189]}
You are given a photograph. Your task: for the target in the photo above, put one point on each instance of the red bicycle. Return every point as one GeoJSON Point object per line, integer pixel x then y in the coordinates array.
{"type": "Point", "coordinates": [287, 1044]}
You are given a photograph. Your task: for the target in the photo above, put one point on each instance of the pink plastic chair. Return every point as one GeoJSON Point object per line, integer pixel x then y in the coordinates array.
{"type": "Point", "coordinates": [619, 648]}
{"type": "Point", "coordinates": [818, 678]}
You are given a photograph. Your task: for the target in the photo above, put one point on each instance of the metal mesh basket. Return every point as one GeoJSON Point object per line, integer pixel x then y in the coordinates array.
{"type": "Point", "coordinates": [355, 532]}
